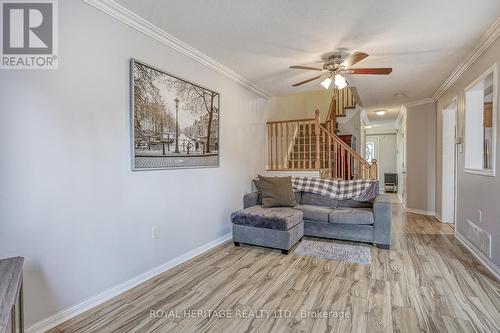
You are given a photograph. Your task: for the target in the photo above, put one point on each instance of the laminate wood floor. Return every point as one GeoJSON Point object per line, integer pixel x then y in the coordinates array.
{"type": "Point", "coordinates": [427, 282]}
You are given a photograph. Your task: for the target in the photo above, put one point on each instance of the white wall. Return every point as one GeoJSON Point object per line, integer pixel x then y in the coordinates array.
{"type": "Point", "coordinates": [351, 125]}
{"type": "Point", "coordinates": [381, 130]}
{"type": "Point", "coordinates": [301, 105]}
{"type": "Point", "coordinates": [69, 202]}
{"type": "Point", "coordinates": [362, 136]}
{"type": "Point", "coordinates": [421, 157]}
{"type": "Point", "coordinates": [449, 161]}
{"type": "Point", "coordinates": [474, 192]}
{"type": "Point", "coordinates": [387, 154]}
{"type": "Point", "coordinates": [401, 154]}
{"type": "Point", "coordinates": [474, 157]}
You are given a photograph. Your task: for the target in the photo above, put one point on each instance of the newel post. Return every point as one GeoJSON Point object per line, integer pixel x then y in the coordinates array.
{"type": "Point", "coordinates": [373, 170]}
{"type": "Point", "coordinates": [318, 133]}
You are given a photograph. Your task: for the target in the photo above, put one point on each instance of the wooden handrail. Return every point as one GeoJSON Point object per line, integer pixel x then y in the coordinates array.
{"type": "Point", "coordinates": [345, 146]}
{"type": "Point", "coordinates": [290, 121]}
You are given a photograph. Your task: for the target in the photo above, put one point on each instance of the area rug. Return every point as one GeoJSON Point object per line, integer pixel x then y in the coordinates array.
{"type": "Point", "coordinates": [359, 254]}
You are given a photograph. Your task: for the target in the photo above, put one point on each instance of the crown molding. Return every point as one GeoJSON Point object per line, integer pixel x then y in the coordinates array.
{"type": "Point", "coordinates": [419, 102]}
{"type": "Point", "coordinates": [481, 46]}
{"type": "Point", "coordinates": [401, 114]}
{"type": "Point", "coordinates": [126, 16]}
{"type": "Point", "coordinates": [364, 117]}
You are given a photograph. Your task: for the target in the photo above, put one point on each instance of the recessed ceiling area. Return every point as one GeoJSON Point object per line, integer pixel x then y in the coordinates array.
{"type": "Point", "coordinates": [388, 119]}
{"type": "Point", "coordinates": [423, 41]}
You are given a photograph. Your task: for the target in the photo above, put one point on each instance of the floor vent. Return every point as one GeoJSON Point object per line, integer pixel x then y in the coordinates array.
{"type": "Point", "coordinates": [479, 238]}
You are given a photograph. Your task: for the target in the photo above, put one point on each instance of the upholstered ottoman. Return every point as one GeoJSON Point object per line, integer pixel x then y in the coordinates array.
{"type": "Point", "coordinates": [276, 227]}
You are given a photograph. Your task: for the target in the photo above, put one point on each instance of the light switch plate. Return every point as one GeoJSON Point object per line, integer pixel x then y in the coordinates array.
{"type": "Point", "coordinates": [155, 232]}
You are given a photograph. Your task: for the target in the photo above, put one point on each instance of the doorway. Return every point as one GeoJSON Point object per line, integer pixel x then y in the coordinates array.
{"type": "Point", "coordinates": [449, 168]}
{"type": "Point", "coordinates": [371, 150]}
{"type": "Point", "coordinates": [383, 148]}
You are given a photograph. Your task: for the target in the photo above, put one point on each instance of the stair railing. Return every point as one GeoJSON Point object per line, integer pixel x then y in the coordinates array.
{"type": "Point", "coordinates": [291, 145]}
{"type": "Point", "coordinates": [304, 144]}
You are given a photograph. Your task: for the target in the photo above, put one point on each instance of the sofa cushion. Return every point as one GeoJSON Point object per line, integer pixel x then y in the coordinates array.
{"type": "Point", "coordinates": [256, 183]}
{"type": "Point", "coordinates": [251, 199]}
{"type": "Point", "coordinates": [298, 196]}
{"type": "Point", "coordinates": [354, 204]}
{"type": "Point", "coordinates": [352, 232]}
{"type": "Point", "coordinates": [351, 216]}
{"type": "Point", "coordinates": [277, 218]}
{"type": "Point", "coordinates": [314, 213]}
{"type": "Point", "coordinates": [317, 200]}
{"type": "Point", "coordinates": [277, 191]}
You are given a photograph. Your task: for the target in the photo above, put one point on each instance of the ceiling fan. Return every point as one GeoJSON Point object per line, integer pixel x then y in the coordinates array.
{"type": "Point", "coordinates": [335, 68]}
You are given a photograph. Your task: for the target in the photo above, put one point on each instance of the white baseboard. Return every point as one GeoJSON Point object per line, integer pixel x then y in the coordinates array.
{"type": "Point", "coordinates": [73, 311]}
{"type": "Point", "coordinates": [421, 212]}
{"type": "Point", "coordinates": [440, 219]}
{"type": "Point", "coordinates": [490, 266]}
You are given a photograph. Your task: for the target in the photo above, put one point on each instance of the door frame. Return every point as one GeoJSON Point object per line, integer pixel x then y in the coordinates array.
{"type": "Point", "coordinates": [452, 105]}
{"type": "Point", "coordinates": [376, 148]}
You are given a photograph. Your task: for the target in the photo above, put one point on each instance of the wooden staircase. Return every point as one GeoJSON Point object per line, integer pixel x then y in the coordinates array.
{"type": "Point", "coordinates": [303, 153]}
{"type": "Point", "coordinates": [306, 144]}
{"type": "Point", "coordinates": [342, 100]}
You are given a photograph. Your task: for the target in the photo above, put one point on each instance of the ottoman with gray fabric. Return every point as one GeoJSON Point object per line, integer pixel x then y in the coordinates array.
{"type": "Point", "coordinates": [276, 227]}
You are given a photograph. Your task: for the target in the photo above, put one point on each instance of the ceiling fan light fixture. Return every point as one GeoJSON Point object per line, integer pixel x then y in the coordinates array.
{"type": "Point", "coordinates": [380, 112]}
{"type": "Point", "coordinates": [340, 81]}
{"type": "Point", "coordinates": [326, 83]}
{"type": "Point", "coordinates": [335, 64]}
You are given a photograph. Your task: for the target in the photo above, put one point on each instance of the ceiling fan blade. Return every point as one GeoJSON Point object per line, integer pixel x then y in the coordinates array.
{"type": "Point", "coordinates": [305, 81]}
{"type": "Point", "coordinates": [353, 59]}
{"type": "Point", "coordinates": [306, 68]}
{"type": "Point", "coordinates": [376, 71]}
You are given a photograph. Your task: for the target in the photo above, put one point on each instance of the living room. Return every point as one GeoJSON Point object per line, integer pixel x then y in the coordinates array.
{"type": "Point", "coordinates": [190, 166]}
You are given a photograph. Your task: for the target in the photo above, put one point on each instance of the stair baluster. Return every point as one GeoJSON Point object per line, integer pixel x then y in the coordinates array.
{"type": "Point", "coordinates": [305, 144]}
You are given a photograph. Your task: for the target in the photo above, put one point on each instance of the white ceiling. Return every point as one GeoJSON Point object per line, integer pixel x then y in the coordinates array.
{"type": "Point", "coordinates": [423, 41]}
{"type": "Point", "coordinates": [386, 120]}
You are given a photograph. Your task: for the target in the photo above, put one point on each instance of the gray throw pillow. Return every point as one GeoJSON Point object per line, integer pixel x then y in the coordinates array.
{"type": "Point", "coordinates": [256, 183]}
{"type": "Point", "coordinates": [277, 191]}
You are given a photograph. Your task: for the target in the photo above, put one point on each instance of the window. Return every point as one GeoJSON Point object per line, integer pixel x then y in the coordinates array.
{"type": "Point", "coordinates": [480, 124]}
{"type": "Point", "coordinates": [370, 151]}
{"type": "Point", "coordinates": [371, 148]}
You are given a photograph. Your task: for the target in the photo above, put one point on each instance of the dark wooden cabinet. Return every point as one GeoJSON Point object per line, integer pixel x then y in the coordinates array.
{"type": "Point", "coordinates": [11, 295]}
{"type": "Point", "coordinates": [350, 140]}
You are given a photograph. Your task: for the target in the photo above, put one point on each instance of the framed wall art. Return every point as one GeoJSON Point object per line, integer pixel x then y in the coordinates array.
{"type": "Point", "coordinates": [175, 123]}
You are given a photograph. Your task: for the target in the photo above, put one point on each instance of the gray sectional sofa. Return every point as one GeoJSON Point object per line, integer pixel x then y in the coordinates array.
{"type": "Point", "coordinates": [325, 217]}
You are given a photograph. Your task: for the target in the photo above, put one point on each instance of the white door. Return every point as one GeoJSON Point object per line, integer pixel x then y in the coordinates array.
{"type": "Point", "coordinates": [449, 163]}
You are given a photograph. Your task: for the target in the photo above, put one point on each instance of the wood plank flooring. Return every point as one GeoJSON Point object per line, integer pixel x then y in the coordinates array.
{"type": "Point", "coordinates": [427, 282]}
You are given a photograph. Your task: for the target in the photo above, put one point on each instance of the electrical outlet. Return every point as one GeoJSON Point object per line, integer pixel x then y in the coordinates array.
{"type": "Point", "coordinates": [155, 232]}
